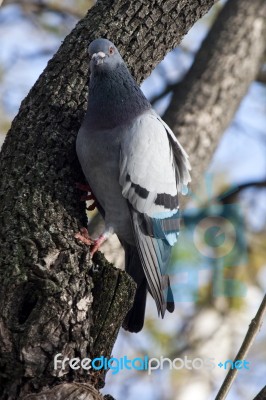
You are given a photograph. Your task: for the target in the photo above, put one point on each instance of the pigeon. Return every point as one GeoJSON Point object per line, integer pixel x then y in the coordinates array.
{"type": "Point", "coordinates": [135, 168]}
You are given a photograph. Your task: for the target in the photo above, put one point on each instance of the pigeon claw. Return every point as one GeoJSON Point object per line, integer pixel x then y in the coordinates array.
{"type": "Point", "coordinates": [84, 237]}
{"type": "Point", "coordinates": [97, 243]}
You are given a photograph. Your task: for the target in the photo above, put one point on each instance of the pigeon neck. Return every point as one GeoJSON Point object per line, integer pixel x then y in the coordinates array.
{"type": "Point", "coordinates": [114, 99]}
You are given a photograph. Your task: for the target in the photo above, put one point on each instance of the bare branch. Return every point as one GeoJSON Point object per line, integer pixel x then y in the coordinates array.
{"type": "Point", "coordinates": [204, 103]}
{"type": "Point", "coordinates": [254, 328]}
{"type": "Point", "coordinates": [261, 395]}
{"type": "Point", "coordinates": [36, 6]}
{"type": "Point", "coordinates": [228, 196]}
{"type": "Point", "coordinates": [262, 75]}
{"type": "Point", "coordinates": [70, 391]}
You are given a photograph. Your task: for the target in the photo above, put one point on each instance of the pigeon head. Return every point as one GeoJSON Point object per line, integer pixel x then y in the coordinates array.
{"type": "Point", "coordinates": [114, 96]}
{"type": "Point", "coordinates": [104, 56]}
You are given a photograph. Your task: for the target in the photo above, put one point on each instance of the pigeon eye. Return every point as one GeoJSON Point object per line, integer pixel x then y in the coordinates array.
{"type": "Point", "coordinates": [111, 50]}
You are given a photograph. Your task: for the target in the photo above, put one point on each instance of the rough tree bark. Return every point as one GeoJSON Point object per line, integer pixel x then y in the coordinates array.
{"type": "Point", "coordinates": [46, 277]}
{"type": "Point", "coordinates": [204, 103]}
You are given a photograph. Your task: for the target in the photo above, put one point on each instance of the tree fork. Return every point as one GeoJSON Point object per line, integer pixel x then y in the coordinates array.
{"type": "Point", "coordinates": [205, 101]}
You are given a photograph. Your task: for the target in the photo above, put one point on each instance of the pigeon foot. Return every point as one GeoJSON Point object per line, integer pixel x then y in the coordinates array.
{"type": "Point", "coordinates": [97, 243]}
{"type": "Point", "coordinates": [84, 237]}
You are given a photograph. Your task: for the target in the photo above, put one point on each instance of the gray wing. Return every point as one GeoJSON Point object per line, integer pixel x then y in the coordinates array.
{"type": "Point", "coordinates": [153, 169]}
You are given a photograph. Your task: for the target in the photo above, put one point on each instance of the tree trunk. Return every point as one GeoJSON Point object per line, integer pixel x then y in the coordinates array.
{"type": "Point", "coordinates": [46, 277]}
{"type": "Point", "coordinates": [204, 103]}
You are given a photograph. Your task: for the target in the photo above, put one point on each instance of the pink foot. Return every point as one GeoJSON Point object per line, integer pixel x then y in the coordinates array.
{"type": "Point", "coordinates": [97, 243]}
{"type": "Point", "coordinates": [84, 237]}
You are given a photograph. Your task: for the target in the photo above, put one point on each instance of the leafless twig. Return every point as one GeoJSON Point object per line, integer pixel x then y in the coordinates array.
{"type": "Point", "coordinates": [40, 6]}
{"type": "Point", "coordinates": [254, 328]}
{"type": "Point", "coordinates": [261, 395]}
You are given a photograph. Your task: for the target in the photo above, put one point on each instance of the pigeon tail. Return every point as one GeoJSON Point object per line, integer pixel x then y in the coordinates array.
{"type": "Point", "coordinates": [134, 319]}
{"type": "Point", "coordinates": [154, 255]}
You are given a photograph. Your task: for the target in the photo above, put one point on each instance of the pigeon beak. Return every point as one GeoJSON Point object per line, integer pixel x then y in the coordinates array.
{"type": "Point", "coordinates": [98, 57]}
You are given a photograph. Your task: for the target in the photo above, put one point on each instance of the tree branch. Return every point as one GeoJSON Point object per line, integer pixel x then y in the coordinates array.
{"type": "Point", "coordinates": [254, 328]}
{"type": "Point", "coordinates": [261, 395]}
{"type": "Point", "coordinates": [261, 77]}
{"type": "Point", "coordinates": [69, 391]}
{"type": "Point", "coordinates": [229, 59]}
{"type": "Point", "coordinates": [36, 6]}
